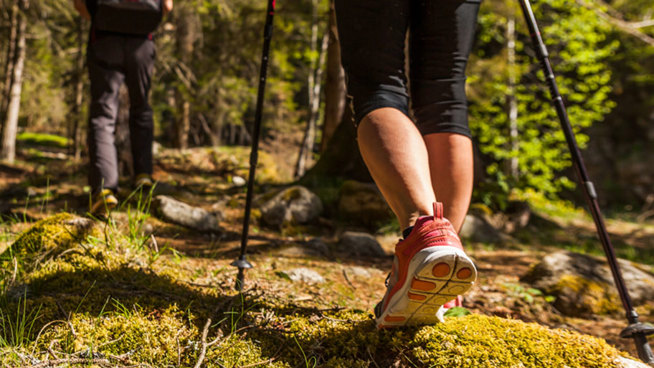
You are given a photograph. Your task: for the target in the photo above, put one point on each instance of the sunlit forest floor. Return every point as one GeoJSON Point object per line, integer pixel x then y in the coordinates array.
{"type": "Point", "coordinates": [184, 278]}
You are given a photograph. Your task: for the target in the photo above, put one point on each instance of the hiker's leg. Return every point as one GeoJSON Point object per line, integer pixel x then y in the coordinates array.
{"type": "Point", "coordinates": [441, 38]}
{"type": "Point", "coordinates": [451, 165]}
{"type": "Point", "coordinates": [104, 57]}
{"type": "Point", "coordinates": [398, 161]}
{"type": "Point", "coordinates": [372, 36]}
{"type": "Point", "coordinates": [139, 62]}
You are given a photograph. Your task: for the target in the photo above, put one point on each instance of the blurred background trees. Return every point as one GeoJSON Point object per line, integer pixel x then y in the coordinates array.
{"type": "Point", "coordinates": [208, 55]}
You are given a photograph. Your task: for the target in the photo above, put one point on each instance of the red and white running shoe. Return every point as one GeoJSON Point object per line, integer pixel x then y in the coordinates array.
{"type": "Point", "coordinates": [430, 269]}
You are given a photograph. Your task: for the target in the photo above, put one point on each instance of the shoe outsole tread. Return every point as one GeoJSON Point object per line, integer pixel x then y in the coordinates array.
{"type": "Point", "coordinates": [434, 283]}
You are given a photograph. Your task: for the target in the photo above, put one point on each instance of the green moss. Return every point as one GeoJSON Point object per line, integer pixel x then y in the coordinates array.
{"type": "Point", "coordinates": [118, 305]}
{"type": "Point", "coordinates": [146, 337]}
{"type": "Point", "coordinates": [49, 237]}
{"type": "Point", "coordinates": [41, 139]}
{"type": "Point", "coordinates": [471, 341]}
{"type": "Point", "coordinates": [590, 297]}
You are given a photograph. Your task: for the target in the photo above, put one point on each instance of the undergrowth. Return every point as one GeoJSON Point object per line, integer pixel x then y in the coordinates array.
{"type": "Point", "coordinates": [85, 293]}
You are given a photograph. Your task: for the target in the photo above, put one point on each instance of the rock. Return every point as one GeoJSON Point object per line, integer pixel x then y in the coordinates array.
{"type": "Point", "coordinates": [171, 210]}
{"type": "Point", "coordinates": [292, 205]}
{"type": "Point", "coordinates": [518, 214]}
{"type": "Point", "coordinates": [156, 148]}
{"type": "Point", "coordinates": [583, 285]}
{"type": "Point", "coordinates": [360, 244]}
{"type": "Point", "coordinates": [305, 275]}
{"type": "Point", "coordinates": [363, 204]}
{"type": "Point", "coordinates": [238, 181]}
{"type": "Point", "coordinates": [622, 362]}
{"type": "Point", "coordinates": [312, 248]}
{"type": "Point", "coordinates": [165, 189]}
{"type": "Point", "coordinates": [31, 192]}
{"type": "Point", "coordinates": [477, 229]}
{"type": "Point", "coordinates": [357, 271]}
{"type": "Point", "coordinates": [318, 246]}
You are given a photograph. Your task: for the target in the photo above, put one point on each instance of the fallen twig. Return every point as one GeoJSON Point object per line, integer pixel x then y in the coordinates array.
{"type": "Point", "coordinates": [259, 363]}
{"type": "Point", "coordinates": [179, 348]}
{"type": "Point", "coordinates": [348, 280]}
{"type": "Point", "coordinates": [205, 344]}
{"type": "Point", "coordinates": [38, 336]}
{"type": "Point", "coordinates": [58, 362]}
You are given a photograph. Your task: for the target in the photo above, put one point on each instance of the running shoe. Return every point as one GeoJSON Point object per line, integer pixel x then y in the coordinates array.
{"type": "Point", "coordinates": [429, 270]}
{"type": "Point", "coordinates": [143, 181]}
{"type": "Point", "coordinates": [105, 201]}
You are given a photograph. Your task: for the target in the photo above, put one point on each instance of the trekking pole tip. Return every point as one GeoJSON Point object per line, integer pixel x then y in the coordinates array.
{"type": "Point", "coordinates": [242, 265]}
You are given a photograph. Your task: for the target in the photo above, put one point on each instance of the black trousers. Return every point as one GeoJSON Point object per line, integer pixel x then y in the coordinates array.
{"type": "Point", "coordinates": [372, 35]}
{"type": "Point", "coordinates": [113, 60]}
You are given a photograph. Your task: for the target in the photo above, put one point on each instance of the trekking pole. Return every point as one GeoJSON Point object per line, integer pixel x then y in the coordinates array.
{"type": "Point", "coordinates": [636, 330]}
{"type": "Point", "coordinates": [241, 262]}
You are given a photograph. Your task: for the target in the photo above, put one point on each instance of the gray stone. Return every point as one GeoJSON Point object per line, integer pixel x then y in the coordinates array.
{"type": "Point", "coordinates": [238, 181]}
{"type": "Point", "coordinates": [363, 204]}
{"type": "Point", "coordinates": [171, 210]}
{"type": "Point", "coordinates": [622, 362]}
{"type": "Point", "coordinates": [583, 285]}
{"type": "Point", "coordinates": [312, 248]}
{"type": "Point", "coordinates": [360, 244]}
{"type": "Point", "coordinates": [518, 214]}
{"type": "Point", "coordinates": [357, 271]}
{"type": "Point", "coordinates": [292, 205]}
{"type": "Point", "coordinates": [81, 223]}
{"type": "Point", "coordinates": [477, 229]}
{"type": "Point", "coordinates": [305, 275]}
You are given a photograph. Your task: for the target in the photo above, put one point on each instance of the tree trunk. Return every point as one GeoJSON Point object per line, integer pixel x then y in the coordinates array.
{"type": "Point", "coordinates": [10, 128]}
{"type": "Point", "coordinates": [186, 34]}
{"type": "Point", "coordinates": [511, 98]}
{"type": "Point", "coordinates": [314, 88]}
{"type": "Point", "coordinates": [334, 84]}
{"type": "Point", "coordinates": [10, 59]}
{"type": "Point", "coordinates": [78, 87]}
{"type": "Point", "coordinates": [183, 124]}
{"type": "Point", "coordinates": [341, 158]}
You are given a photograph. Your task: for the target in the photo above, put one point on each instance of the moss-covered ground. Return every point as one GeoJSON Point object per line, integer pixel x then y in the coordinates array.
{"type": "Point", "coordinates": [136, 292]}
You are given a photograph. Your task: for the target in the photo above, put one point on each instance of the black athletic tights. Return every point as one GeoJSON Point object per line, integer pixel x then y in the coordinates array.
{"type": "Point", "coordinates": [372, 36]}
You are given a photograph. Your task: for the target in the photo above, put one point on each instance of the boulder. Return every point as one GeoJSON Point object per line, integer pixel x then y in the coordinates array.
{"type": "Point", "coordinates": [363, 204]}
{"type": "Point", "coordinates": [295, 205]}
{"type": "Point", "coordinates": [312, 248]}
{"type": "Point", "coordinates": [622, 362]}
{"type": "Point", "coordinates": [360, 244]}
{"type": "Point", "coordinates": [583, 284]}
{"type": "Point", "coordinates": [172, 210]}
{"type": "Point", "coordinates": [518, 214]}
{"type": "Point", "coordinates": [477, 229]}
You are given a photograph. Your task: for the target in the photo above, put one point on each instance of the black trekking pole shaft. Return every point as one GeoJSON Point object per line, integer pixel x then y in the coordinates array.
{"type": "Point", "coordinates": [644, 351]}
{"type": "Point", "coordinates": [241, 262]}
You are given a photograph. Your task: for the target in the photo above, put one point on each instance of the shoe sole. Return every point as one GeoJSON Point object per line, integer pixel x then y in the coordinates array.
{"type": "Point", "coordinates": [436, 276]}
{"type": "Point", "coordinates": [104, 208]}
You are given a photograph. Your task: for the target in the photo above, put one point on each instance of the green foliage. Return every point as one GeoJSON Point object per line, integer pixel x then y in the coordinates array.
{"type": "Point", "coordinates": [526, 293]}
{"type": "Point", "coordinates": [42, 139]}
{"type": "Point", "coordinates": [457, 312]}
{"type": "Point", "coordinates": [579, 51]}
{"type": "Point", "coordinates": [220, 78]}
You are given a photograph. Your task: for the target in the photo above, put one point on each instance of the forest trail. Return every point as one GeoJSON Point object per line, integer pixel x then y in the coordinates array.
{"type": "Point", "coordinates": [48, 184]}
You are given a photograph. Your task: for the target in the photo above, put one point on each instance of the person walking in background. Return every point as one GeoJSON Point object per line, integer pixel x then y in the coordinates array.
{"type": "Point", "coordinates": [120, 50]}
{"type": "Point", "coordinates": [413, 164]}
